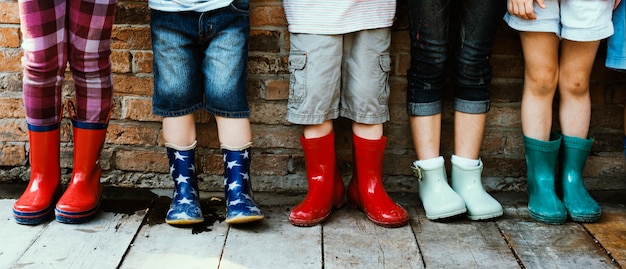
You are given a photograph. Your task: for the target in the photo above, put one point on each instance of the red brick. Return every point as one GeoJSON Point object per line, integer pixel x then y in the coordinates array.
{"type": "Point", "coordinates": [133, 85]}
{"type": "Point", "coordinates": [13, 130]}
{"type": "Point", "coordinates": [9, 12]}
{"type": "Point", "coordinates": [139, 109]}
{"type": "Point", "coordinates": [131, 37]}
{"type": "Point", "coordinates": [11, 107]}
{"type": "Point", "coordinates": [138, 134]}
{"type": "Point", "coordinates": [142, 61]}
{"type": "Point", "coordinates": [12, 155]}
{"type": "Point", "coordinates": [142, 160]}
{"type": "Point", "coordinates": [10, 37]}
{"type": "Point", "coordinates": [120, 61]}
{"type": "Point", "coordinates": [11, 60]}
{"type": "Point", "coordinates": [268, 15]}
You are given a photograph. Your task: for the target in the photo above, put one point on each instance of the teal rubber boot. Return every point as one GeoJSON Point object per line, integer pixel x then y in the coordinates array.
{"type": "Point", "coordinates": [541, 158]}
{"type": "Point", "coordinates": [581, 207]}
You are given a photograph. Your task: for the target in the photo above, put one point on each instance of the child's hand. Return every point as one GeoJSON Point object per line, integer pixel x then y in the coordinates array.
{"type": "Point", "coordinates": [616, 3]}
{"type": "Point", "coordinates": [524, 8]}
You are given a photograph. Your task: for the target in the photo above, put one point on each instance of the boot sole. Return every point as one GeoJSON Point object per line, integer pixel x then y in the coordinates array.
{"type": "Point", "coordinates": [446, 215]}
{"type": "Point", "coordinates": [307, 223]}
{"type": "Point", "coordinates": [585, 218]}
{"type": "Point", "coordinates": [75, 217]}
{"type": "Point", "coordinates": [547, 220]}
{"type": "Point", "coordinates": [32, 218]}
{"type": "Point", "coordinates": [395, 224]}
{"type": "Point", "coordinates": [184, 222]}
{"type": "Point", "coordinates": [244, 219]}
{"type": "Point", "coordinates": [487, 216]}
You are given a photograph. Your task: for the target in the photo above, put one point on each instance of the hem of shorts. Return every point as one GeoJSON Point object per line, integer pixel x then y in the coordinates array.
{"type": "Point", "coordinates": [471, 107]}
{"type": "Point", "coordinates": [177, 113]}
{"type": "Point", "coordinates": [229, 114]}
{"type": "Point", "coordinates": [531, 25]}
{"type": "Point", "coordinates": [588, 35]}
{"type": "Point", "coordinates": [311, 119]}
{"type": "Point", "coordinates": [424, 109]}
{"type": "Point", "coordinates": [365, 118]}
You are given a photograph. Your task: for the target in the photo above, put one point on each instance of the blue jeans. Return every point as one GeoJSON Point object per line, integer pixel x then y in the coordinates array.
{"type": "Point", "coordinates": [200, 60]}
{"type": "Point", "coordinates": [429, 22]}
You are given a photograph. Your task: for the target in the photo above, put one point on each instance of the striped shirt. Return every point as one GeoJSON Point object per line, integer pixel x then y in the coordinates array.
{"type": "Point", "coordinates": [329, 17]}
{"type": "Point", "coordinates": [188, 5]}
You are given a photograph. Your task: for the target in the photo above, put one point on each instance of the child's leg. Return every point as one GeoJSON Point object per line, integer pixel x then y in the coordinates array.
{"type": "Point", "coordinates": [234, 132]}
{"type": "Point", "coordinates": [235, 138]}
{"type": "Point", "coordinates": [577, 60]}
{"type": "Point", "coordinates": [540, 80]}
{"type": "Point", "coordinates": [179, 134]}
{"type": "Point", "coordinates": [314, 103]}
{"type": "Point", "coordinates": [179, 130]}
{"type": "Point", "coordinates": [318, 130]}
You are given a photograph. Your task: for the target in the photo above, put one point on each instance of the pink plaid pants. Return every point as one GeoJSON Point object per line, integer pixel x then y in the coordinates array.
{"type": "Point", "coordinates": [56, 32]}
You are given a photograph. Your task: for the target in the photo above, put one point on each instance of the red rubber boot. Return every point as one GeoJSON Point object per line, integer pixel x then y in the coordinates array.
{"type": "Point", "coordinates": [366, 190]}
{"type": "Point", "coordinates": [81, 199]}
{"type": "Point", "coordinates": [36, 203]}
{"type": "Point", "coordinates": [326, 189]}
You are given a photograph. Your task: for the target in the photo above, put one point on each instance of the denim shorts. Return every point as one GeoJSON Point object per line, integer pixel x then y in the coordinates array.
{"type": "Point", "coordinates": [574, 20]}
{"type": "Point", "coordinates": [339, 75]}
{"type": "Point", "coordinates": [200, 60]}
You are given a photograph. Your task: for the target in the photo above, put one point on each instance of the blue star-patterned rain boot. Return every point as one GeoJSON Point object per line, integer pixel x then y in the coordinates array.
{"type": "Point", "coordinates": [240, 206]}
{"type": "Point", "coordinates": [185, 206]}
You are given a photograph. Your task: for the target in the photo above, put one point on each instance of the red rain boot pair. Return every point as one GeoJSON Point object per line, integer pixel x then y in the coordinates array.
{"type": "Point", "coordinates": [326, 188]}
{"type": "Point", "coordinates": [81, 199]}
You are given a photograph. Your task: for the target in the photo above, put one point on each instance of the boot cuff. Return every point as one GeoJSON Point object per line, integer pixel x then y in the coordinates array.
{"type": "Point", "coordinates": [577, 143]}
{"type": "Point", "coordinates": [368, 144]}
{"type": "Point", "coordinates": [318, 142]}
{"type": "Point", "coordinates": [231, 148]}
{"type": "Point", "coordinates": [177, 147]}
{"type": "Point", "coordinates": [545, 146]}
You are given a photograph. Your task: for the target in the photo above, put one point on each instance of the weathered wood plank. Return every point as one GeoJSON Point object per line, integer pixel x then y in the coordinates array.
{"type": "Point", "coordinates": [100, 243]}
{"type": "Point", "coordinates": [16, 238]}
{"type": "Point", "coordinates": [273, 243]}
{"type": "Point", "coordinates": [539, 245]}
{"type": "Point", "coordinates": [610, 232]}
{"type": "Point", "coordinates": [460, 243]}
{"type": "Point", "coordinates": [159, 245]}
{"type": "Point", "coordinates": [351, 240]}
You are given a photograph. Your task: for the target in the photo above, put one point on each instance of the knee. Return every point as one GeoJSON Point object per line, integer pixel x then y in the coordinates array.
{"type": "Point", "coordinates": [574, 85]}
{"type": "Point", "coordinates": [541, 82]}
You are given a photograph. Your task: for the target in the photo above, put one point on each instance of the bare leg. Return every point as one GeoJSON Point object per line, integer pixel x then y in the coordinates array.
{"type": "Point", "coordinates": [540, 80]}
{"type": "Point", "coordinates": [426, 132]}
{"type": "Point", "coordinates": [234, 132]}
{"type": "Point", "coordinates": [575, 70]}
{"type": "Point", "coordinates": [179, 131]}
{"type": "Point", "coordinates": [318, 130]}
{"type": "Point", "coordinates": [468, 134]}
{"type": "Point", "coordinates": [367, 131]}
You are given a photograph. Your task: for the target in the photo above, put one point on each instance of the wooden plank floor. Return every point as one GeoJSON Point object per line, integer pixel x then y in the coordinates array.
{"type": "Point", "coordinates": [130, 232]}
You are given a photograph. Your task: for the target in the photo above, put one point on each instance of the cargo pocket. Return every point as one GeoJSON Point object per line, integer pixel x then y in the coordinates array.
{"type": "Point", "coordinates": [385, 67]}
{"type": "Point", "coordinates": [297, 80]}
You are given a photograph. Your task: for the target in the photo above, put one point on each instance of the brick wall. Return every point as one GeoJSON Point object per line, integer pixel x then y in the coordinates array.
{"type": "Point", "coordinates": [134, 155]}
